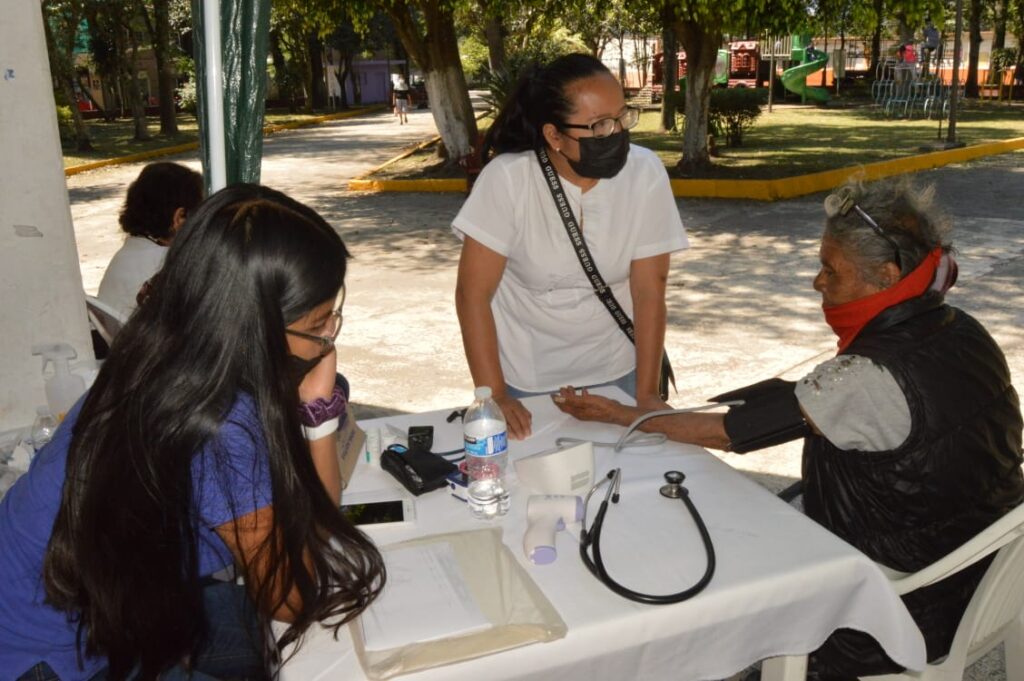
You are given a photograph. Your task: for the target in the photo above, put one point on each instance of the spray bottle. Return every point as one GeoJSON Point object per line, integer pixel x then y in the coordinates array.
{"type": "Point", "coordinates": [62, 388]}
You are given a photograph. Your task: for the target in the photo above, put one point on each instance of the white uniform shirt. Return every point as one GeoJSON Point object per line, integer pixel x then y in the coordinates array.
{"type": "Point", "coordinates": [131, 267]}
{"type": "Point", "coordinates": [552, 329]}
{"type": "Point", "coordinates": [855, 404]}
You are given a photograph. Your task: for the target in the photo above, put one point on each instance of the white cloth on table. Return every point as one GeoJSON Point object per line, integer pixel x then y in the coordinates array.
{"type": "Point", "coordinates": [782, 585]}
{"type": "Point", "coordinates": [856, 404]}
{"type": "Point", "coordinates": [552, 329]}
{"type": "Point", "coordinates": [132, 266]}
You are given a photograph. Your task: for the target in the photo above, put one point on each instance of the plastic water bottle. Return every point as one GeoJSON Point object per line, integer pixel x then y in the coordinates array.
{"type": "Point", "coordinates": [486, 439]}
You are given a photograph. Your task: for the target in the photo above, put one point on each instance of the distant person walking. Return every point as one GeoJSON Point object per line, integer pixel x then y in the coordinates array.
{"type": "Point", "coordinates": [401, 94]}
{"type": "Point", "coordinates": [931, 43]}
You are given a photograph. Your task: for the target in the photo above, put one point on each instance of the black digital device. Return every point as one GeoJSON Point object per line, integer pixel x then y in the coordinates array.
{"type": "Point", "coordinates": [421, 438]}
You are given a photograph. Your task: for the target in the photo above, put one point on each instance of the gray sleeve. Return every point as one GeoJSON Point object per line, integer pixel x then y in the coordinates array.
{"type": "Point", "coordinates": [855, 404]}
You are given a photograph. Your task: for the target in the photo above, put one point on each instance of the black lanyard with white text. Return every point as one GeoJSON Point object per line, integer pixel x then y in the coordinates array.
{"type": "Point", "coordinates": [603, 291]}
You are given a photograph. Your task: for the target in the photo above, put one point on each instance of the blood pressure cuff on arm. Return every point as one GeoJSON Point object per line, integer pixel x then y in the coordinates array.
{"type": "Point", "coordinates": [769, 415]}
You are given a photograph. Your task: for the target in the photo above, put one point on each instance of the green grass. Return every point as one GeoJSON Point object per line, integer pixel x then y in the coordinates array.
{"type": "Point", "coordinates": [797, 139]}
{"type": "Point", "coordinates": [114, 139]}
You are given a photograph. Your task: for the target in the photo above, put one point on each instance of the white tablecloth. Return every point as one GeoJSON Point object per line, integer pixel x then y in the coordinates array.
{"type": "Point", "coordinates": [782, 583]}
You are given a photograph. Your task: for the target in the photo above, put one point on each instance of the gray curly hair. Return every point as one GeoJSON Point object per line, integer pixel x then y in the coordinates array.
{"type": "Point", "coordinates": [906, 214]}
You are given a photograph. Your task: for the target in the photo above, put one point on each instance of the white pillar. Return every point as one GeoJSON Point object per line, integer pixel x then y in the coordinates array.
{"type": "Point", "coordinates": [214, 95]}
{"type": "Point", "coordinates": [41, 297]}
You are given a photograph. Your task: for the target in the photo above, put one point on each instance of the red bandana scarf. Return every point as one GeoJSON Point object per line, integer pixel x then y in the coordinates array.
{"type": "Point", "coordinates": [847, 320]}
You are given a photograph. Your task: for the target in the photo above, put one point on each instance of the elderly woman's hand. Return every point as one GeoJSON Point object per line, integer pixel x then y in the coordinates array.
{"type": "Point", "coordinates": [587, 407]}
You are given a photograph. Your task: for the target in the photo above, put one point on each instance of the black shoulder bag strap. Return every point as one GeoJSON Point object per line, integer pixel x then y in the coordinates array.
{"type": "Point", "coordinates": [603, 291]}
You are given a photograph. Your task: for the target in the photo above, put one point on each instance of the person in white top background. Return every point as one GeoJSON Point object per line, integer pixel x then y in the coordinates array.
{"type": "Point", "coordinates": [530, 318]}
{"type": "Point", "coordinates": [156, 205]}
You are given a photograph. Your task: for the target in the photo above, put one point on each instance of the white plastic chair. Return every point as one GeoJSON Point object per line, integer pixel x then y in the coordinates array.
{"type": "Point", "coordinates": [106, 320]}
{"type": "Point", "coordinates": [994, 614]}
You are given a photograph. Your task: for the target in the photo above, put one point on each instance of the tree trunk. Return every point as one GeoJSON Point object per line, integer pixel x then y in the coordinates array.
{"type": "Point", "coordinates": [82, 141]}
{"type": "Point", "coordinates": [344, 72]}
{"type": "Point", "coordinates": [669, 67]}
{"type": "Point", "coordinates": [110, 100]}
{"type": "Point", "coordinates": [999, 12]}
{"type": "Point", "coordinates": [974, 49]}
{"type": "Point", "coordinates": [59, 47]}
{"type": "Point", "coordinates": [436, 52]}
{"type": "Point", "coordinates": [494, 31]}
{"type": "Point", "coordinates": [876, 38]}
{"type": "Point", "coordinates": [308, 84]}
{"type": "Point", "coordinates": [701, 46]}
{"type": "Point", "coordinates": [317, 87]}
{"type": "Point", "coordinates": [281, 77]}
{"type": "Point", "coordinates": [167, 79]}
{"type": "Point", "coordinates": [138, 106]}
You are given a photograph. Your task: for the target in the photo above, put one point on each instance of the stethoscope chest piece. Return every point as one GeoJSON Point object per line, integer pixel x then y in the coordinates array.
{"type": "Point", "coordinates": [674, 489]}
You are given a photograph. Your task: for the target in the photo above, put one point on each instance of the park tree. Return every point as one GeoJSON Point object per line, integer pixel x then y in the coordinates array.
{"type": "Point", "coordinates": [426, 29]}
{"type": "Point", "coordinates": [350, 41]}
{"type": "Point", "coordinates": [114, 27]}
{"type": "Point", "coordinates": [975, 16]}
{"type": "Point", "coordinates": [157, 16]}
{"type": "Point", "coordinates": [494, 32]}
{"type": "Point", "coordinates": [61, 22]}
{"type": "Point", "coordinates": [589, 20]}
{"type": "Point", "coordinates": [295, 30]}
{"type": "Point", "coordinates": [669, 65]}
{"type": "Point", "coordinates": [700, 26]}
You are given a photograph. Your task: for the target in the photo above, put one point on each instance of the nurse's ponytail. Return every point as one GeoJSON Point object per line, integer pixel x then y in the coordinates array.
{"type": "Point", "coordinates": [538, 98]}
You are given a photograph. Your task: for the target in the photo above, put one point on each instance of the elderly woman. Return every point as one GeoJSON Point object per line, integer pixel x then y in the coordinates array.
{"type": "Point", "coordinates": [912, 433]}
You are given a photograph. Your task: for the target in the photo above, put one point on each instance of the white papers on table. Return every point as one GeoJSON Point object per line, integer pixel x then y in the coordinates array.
{"type": "Point", "coordinates": [425, 598]}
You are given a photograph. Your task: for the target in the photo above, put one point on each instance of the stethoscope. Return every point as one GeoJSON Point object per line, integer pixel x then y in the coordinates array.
{"type": "Point", "coordinates": [590, 539]}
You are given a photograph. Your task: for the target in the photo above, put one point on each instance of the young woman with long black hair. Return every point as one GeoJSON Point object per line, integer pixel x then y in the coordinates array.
{"type": "Point", "coordinates": [530, 319]}
{"type": "Point", "coordinates": [205, 442]}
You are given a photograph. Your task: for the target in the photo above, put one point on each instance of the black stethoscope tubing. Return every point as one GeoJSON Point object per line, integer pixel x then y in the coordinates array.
{"type": "Point", "coordinates": [591, 539]}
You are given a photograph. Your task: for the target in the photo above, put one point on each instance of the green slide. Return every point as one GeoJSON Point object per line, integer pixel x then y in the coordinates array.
{"type": "Point", "coordinates": [795, 79]}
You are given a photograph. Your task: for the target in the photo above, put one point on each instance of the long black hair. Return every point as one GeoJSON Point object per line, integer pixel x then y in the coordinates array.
{"type": "Point", "coordinates": [538, 98]}
{"type": "Point", "coordinates": [154, 196]}
{"type": "Point", "coordinates": [122, 557]}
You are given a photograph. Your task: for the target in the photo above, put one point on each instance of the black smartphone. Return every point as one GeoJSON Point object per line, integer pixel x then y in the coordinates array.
{"type": "Point", "coordinates": [377, 508]}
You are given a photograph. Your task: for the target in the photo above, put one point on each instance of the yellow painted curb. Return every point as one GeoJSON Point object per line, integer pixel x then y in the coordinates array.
{"type": "Point", "coordinates": [269, 129]}
{"type": "Point", "coordinates": [131, 158]}
{"type": "Point", "coordinates": [757, 190]}
{"type": "Point", "coordinates": [189, 146]}
{"type": "Point", "coordinates": [395, 159]}
{"type": "Point", "coordinates": [359, 184]}
{"type": "Point", "coordinates": [449, 185]}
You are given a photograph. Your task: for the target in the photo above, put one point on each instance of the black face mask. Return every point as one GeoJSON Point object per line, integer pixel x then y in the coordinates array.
{"type": "Point", "coordinates": [298, 368]}
{"type": "Point", "coordinates": [602, 157]}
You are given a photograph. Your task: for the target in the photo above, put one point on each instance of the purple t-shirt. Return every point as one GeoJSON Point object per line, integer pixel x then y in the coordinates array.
{"type": "Point", "coordinates": [231, 478]}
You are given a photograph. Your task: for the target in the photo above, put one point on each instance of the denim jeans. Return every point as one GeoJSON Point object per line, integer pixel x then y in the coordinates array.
{"type": "Point", "coordinates": [232, 648]}
{"type": "Point", "coordinates": [626, 382]}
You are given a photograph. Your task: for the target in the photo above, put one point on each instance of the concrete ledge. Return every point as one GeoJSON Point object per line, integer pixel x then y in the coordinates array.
{"type": "Point", "coordinates": [190, 146]}
{"type": "Point", "coordinates": [757, 190]}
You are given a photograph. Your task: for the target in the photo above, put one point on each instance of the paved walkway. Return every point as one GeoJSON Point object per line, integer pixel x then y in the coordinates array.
{"type": "Point", "coordinates": [741, 307]}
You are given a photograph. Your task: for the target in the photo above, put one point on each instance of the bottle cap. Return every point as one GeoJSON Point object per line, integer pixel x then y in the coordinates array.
{"type": "Point", "coordinates": [482, 393]}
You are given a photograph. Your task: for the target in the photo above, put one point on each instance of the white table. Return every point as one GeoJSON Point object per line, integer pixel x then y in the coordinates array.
{"type": "Point", "coordinates": [782, 583]}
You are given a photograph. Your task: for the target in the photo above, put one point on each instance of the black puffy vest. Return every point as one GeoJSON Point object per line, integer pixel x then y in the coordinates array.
{"type": "Point", "coordinates": [957, 472]}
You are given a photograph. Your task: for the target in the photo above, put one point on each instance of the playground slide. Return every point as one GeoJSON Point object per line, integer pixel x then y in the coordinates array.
{"type": "Point", "coordinates": [795, 79]}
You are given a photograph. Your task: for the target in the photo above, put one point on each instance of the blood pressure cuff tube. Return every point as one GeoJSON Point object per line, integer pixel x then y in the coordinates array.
{"type": "Point", "coordinates": [769, 415]}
